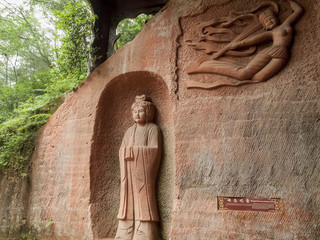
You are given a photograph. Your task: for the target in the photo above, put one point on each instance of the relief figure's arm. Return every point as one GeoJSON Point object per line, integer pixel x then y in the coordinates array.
{"type": "Point", "coordinates": [297, 12]}
{"type": "Point", "coordinates": [261, 37]}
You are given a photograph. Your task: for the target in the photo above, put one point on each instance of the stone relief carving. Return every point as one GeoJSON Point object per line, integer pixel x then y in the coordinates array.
{"type": "Point", "coordinates": [240, 35]}
{"type": "Point", "coordinates": [139, 157]}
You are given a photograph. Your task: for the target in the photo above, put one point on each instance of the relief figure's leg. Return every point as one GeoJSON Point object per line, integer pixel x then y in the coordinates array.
{"type": "Point", "coordinates": [233, 70]}
{"type": "Point", "coordinates": [273, 67]}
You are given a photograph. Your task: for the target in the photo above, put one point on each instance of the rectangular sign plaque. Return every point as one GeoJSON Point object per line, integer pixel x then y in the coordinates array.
{"type": "Point", "coordinates": [248, 204]}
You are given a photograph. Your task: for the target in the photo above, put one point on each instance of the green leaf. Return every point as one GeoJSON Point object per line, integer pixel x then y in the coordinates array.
{"type": "Point", "coordinates": [49, 223]}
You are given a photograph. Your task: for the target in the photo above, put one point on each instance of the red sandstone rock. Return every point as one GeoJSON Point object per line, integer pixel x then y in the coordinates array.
{"type": "Point", "coordinates": [258, 140]}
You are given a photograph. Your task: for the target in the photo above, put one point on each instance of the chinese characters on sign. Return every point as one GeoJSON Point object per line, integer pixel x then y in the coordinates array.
{"type": "Point", "coordinates": [248, 204]}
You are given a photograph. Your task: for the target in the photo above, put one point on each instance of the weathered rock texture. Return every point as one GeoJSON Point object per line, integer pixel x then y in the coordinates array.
{"type": "Point", "coordinates": [258, 140]}
{"type": "Point", "coordinates": [14, 192]}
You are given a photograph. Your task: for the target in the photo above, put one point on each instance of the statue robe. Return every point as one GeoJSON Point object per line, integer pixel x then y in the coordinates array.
{"type": "Point", "coordinates": [139, 157]}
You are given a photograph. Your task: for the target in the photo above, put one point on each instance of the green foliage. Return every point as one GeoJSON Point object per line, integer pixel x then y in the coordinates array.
{"type": "Point", "coordinates": [29, 236]}
{"type": "Point", "coordinates": [35, 232]}
{"type": "Point", "coordinates": [76, 23]}
{"type": "Point", "coordinates": [128, 28]}
{"type": "Point", "coordinates": [30, 233]}
{"type": "Point", "coordinates": [35, 72]}
{"type": "Point", "coordinates": [48, 7]}
{"type": "Point", "coordinates": [24, 48]}
{"type": "Point", "coordinates": [17, 135]}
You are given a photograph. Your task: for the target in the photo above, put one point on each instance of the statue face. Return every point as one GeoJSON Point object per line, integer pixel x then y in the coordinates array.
{"type": "Point", "coordinates": [139, 115]}
{"type": "Point", "coordinates": [270, 22]}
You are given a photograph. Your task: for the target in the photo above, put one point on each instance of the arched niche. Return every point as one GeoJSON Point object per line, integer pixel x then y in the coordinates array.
{"type": "Point", "coordinates": [112, 119]}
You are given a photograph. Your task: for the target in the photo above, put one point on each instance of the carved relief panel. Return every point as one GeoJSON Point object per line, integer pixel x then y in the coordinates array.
{"type": "Point", "coordinates": [247, 46]}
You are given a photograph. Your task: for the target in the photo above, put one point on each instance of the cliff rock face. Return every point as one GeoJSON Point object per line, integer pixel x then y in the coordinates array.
{"type": "Point", "coordinates": [257, 140]}
{"type": "Point", "coordinates": [14, 194]}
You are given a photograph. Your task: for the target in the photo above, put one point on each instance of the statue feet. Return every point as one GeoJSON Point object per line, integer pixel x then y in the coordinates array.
{"type": "Point", "coordinates": [137, 230]}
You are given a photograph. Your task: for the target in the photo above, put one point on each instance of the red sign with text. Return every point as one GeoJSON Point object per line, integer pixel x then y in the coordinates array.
{"type": "Point", "coordinates": [248, 204]}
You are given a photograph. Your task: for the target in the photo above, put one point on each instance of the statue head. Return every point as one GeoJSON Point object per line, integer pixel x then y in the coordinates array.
{"type": "Point", "coordinates": [146, 108]}
{"type": "Point", "coordinates": [268, 19]}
